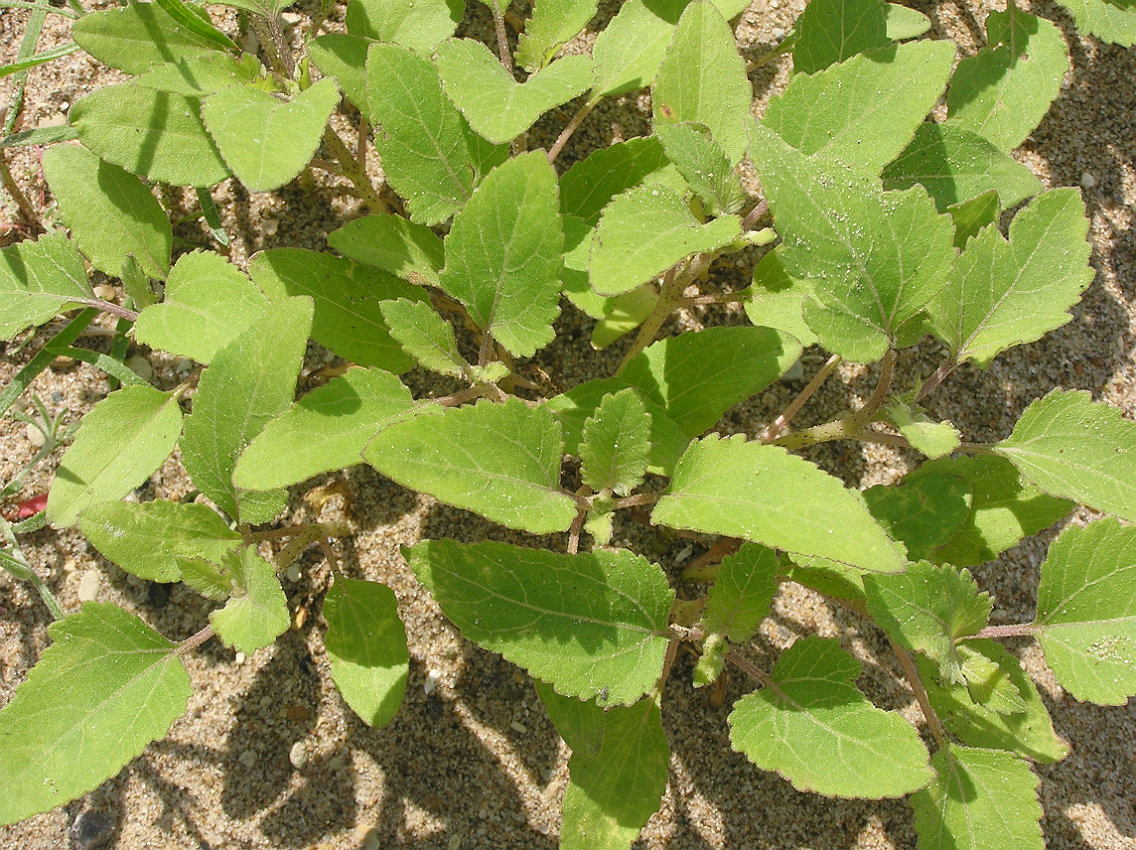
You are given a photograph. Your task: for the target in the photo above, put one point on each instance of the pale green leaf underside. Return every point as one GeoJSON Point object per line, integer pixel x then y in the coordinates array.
{"type": "Point", "coordinates": [866, 109]}
{"type": "Point", "coordinates": [553, 24]}
{"type": "Point", "coordinates": [615, 444]}
{"type": "Point", "coordinates": [499, 460]}
{"type": "Point", "coordinates": [1108, 20]}
{"type": "Point", "coordinates": [107, 687]}
{"type": "Point", "coordinates": [208, 302]}
{"type": "Point", "coordinates": [203, 75]}
{"type": "Point", "coordinates": [741, 594]}
{"type": "Point", "coordinates": [591, 624]}
{"type": "Point", "coordinates": [1068, 445]}
{"type": "Point", "coordinates": [266, 141]}
{"type": "Point", "coordinates": [980, 798]}
{"type": "Point", "coordinates": [124, 438]}
{"type": "Point", "coordinates": [764, 494]}
{"type": "Point", "coordinates": [37, 279]}
{"type": "Point", "coordinates": [1086, 611]}
{"type": "Point", "coordinates": [148, 538]}
{"type": "Point", "coordinates": [407, 250]}
{"type": "Point", "coordinates": [135, 37]}
{"type": "Point", "coordinates": [830, 31]}
{"type": "Point", "coordinates": [815, 728]}
{"type": "Point", "coordinates": [366, 643]}
{"type": "Point", "coordinates": [110, 213]}
{"type": "Point", "coordinates": [425, 336]}
{"type": "Point", "coordinates": [417, 24]}
{"type": "Point", "coordinates": [703, 165]}
{"type": "Point", "coordinates": [904, 23]}
{"type": "Point", "coordinates": [257, 612]}
{"type": "Point", "coordinates": [934, 439]}
{"type": "Point", "coordinates": [326, 429]}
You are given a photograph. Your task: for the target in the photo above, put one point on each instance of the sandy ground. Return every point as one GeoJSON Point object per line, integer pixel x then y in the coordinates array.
{"type": "Point", "coordinates": [268, 755]}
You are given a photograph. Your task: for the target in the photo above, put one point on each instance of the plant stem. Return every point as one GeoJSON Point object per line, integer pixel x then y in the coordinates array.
{"type": "Point", "coordinates": [637, 499]}
{"type": "Point", "coordinates": [755, 215]}
{"type": "Point", "coordinates": [503, 52]}
{"type": "Point", "coordinates": [674, 282]}
{"type": "Point", "coordinates": [108, 307]}
{"type": "Point", "coordinates": [705, 567]}
{"type": "Point", "coordinates": [782, 422]}
{"type": "Point", "coordinates": [569, 129]}
{"type": "Point", "coordinates": [912, 675]}
{"type": "Point", "coordinates": [1011, 630]}
{"type": "Point", "coordinates": [191, 643]}
{"type": "Point", "coordinates": [350, 168]}
{"type": "Point", "coordinates": [937, 377]}
{"type": "Point", "coordinates": [27, 211]}
{"type": "Point", "coordinates": [751, 670]}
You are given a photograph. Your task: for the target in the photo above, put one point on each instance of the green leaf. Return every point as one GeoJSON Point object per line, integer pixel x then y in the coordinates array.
{"type": "Point", "coordinates": [1028, 733]}
{"type": "Point", "coordinates": [366, 643]}
{"type": "Point", "coordinates": [615, 444]}
{"type": "Point", "coordinates": [209, 578]}
{"type": "Point", "coordinates": [257, 612]}
{"type": "Point", "coordinates": [147, 539]}
{"type": "Point", "coordinates": [262, 8]}
{"type": "Point", "coordinates": [135, 37]}
{"type": "Point", "coordinates": [764, 494]}
{"type": "Point", "coordinates": [815, 728]}
{"type": "Point", "coordinates": [208, 302]}
{"type": "Point", "coordinates": [106, 687]}
{"type": "Point", "coordinates": [407, 250]}
{"type": "Point", "coordinates": [1005, 509]}
{"type": "Point", "coordinates": [250, 381]}
{"type": "Point", "coordinates": [110, 213]}
{"type": "Point", "coordinates": [1003, 294]}
{"type": "Point", "coordinates": [499, 460]}
{"type": "Point", "coordinates": [628, 52]}
{"type": "Point", "coordinates": [777, 300]}
{"type": "Point", "coordinates": [195, 19]}
{"type": "Point", "coordinates": [265, 141]}
{"type": "Point", "coordinates": [1114, 22]}
{"type": "Point", "coordinates": [927, 609]}
{"type": "Point", "coordinates": [703, 165]}
{"type": "Point", "coordinates": [591, 624]}
{"type": "Point", "coordinates": [429, 154]}
{"type": "Point", "coordinates": [987, 683]}
{"type": "Point", "coordinates": [580, 723]}
{"type": "Point", "coordinates": [865, 110]}
{"type": "Point", "coordinates": [1086, 611]}
{"type": "Point", "coordinates": [875, 258]}
{"type": "Point", "coordinates": [904, 23]}
{"type": "Point", "coordinates": [924, 512]}
{"type": "Point", "coordinates": [1003, 91]}
{"type": "Point", "coordinates": [326, 429]}
{"type": "Point", "coordinates": [971, 216]}
{"type": "Point", "coordinates": [830, 31]}
{"type": "Point", "coordinates": [203, 75]}
{"type": "Point", "coordinates": [503, 256]}
{"type": "Point", "coordinates": [425, 336]}
{"type": "Point", "coordinates": [127, 435]}
{"type": "Point", "coordinates": [702, 78]}
{"type": "Point", "coordinates": [154, 134]}
{"type": "Point", "coordinates": [345, 58]}
{"type": "Point", "coordinates": [553, 24]}
{"type": "Point", "coordinates": [741, 594]}
{"type": "Point", "coordinates": [1070, 446]}
{"type": "Point", "coordinates": [348, 319]}
{"type": "Point", "coordinates": [645, 231]}
{"type": "Point", "coordinates": [980, 798]}
{"type": "Point", "coordinates": [412, 23]}
{"type": "Point", "coordinates": [612, 794]}
{"type": "Point", "coordinates": [619, 315]}
{"type": "Point", "coordinates": [496, 106]}
{"type": "Point", "coordinates": [38, 280]}
{"type": "Point", "coordinates": [955, 164]}
{"type": "Point", "coordinates": [934, 439]}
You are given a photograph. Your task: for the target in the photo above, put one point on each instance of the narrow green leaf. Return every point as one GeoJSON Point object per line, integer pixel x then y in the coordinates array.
{"type": "Point", "coordinates": [1068, 445]}
{"type": "Point", "coordinates": [154, 134]}
{"type": "Point", "coordinates": [326, 429]}
{"type": "Point", "coordinates": [499, 460]}
{"type": "Point", "coordinates": [703, 165]}
{"type": "Point", "coordinates": [147, 539]}
{"type": "Point", "coordinates": [366, 643]}
{"type": "Point", "coordinates": [1028, 733]}
{"type": "Point", "coordinates": [133, 38]}
{"type": "Point", "coordinates": [875, 258]}
{"type": "Point", "coordinates": [107, 687]}
{"type": "Point", "coordinates": [503, 254]}
{"type": "Point", "coordinates": [1003, 91]}
{"type": "Point", "coordinates": [38, 280]}
{"type": "Point", "coordinates": [612, 794]}
{"type": "Point", "coordinates": [645, 231]}
{"type": "Point", "coordinates": [1003, 294]}
{"type": "Point", "coordinates": [425, 336]}
{"type": "Point", "coordinates": [19, 65]}
{"type": "Point", "coordinates": [553, 24]}
{"type": "Point", "coordinates": [702, 78]}
{"type": "Point", "coordinates": [815, 728]}
{"type": "Point", "coordinates": [955, 164]}
{"type": "Point", "coordinates": [348, 319]}
{"type": "Point", "coordinates": [1114, 22]}
{"type": "Point", "coordinates": [980, 798]}
{"type": "Point", "coordinates": [741, 594]}
{"type": "Point", "coordinates": [265, 141]}
{"type": "Point", "coordinates": [250, 381]}
{"type": "Point", "coordinates": [764, 494]}
{"type": "Point", "coordinates": [927, 609]}
{"type": "Point", "coordinates": [124, 438]}
{"type": "Point", "coordinates": [904, 23]}
{"type": "Point", "coordinates": [777, 300]}
{"type": "Point", "coordinates": [208, 302]}
{"type": "Point", "coordinates": [429, 154]}
{"type": "Point", "coordinates": [934, 439]}
{"type": "Point", "coordinates": [345, 58]}
{"type": "Point", "coordinates": [195, 19]}
{"type": "Point", "coordinates": [257, 612]}
{"type": "Point", "coordinates": [407, 250]}
{"type": "Point", "coordinates": [412, 23]}
{"type": "Point", "coordinates": [496, 106]}
{"type": "Point", "coordinates": [40, 136]}
{"type": "Point", "coordinates": [865, 110]}
{"type": "Point", "coordinates": [591, 624]}
{"type": "Point", "coordinates": [1086, 611]}
{"type": "Point", "coordinates": [830, 31]}
{"type": "Point", "coordinates": [924, 512]}
{"type": "Point", "coordinates": [615, 444]}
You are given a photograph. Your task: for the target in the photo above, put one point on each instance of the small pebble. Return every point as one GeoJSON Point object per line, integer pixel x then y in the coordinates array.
{"type": "Point", "coordinates": [90, 830]}
{"type": "Point", "coordinates": [35, 436]}
{"type": "Point", "coordinates": [796, 372]}
{"type": "Point", "coordinates": [336, 762]}
{"type": "Point", "coordinates": [455, 841]}
{"type": "Point", "coordinates": [1087, 180]}
{"type": "Point", "coordinates": [247, 758]}
{"type": "Point", "coordinates": [89, 586]}
{"type": "Point", "coordinates": [518, 727]}
{"type": "Point", "coordinates": [140, 366]}
{"type": "Point", "coordinates": [432, 679]}
{"type": "Point", "coordinates": [63, 107]}
{"type": "Point", "coordinates": [105, 291]}
{"type": "Point", "coordinates": [298, 755]}
{"type": "Point", "coordinates": [56, 397]}
{"type": "Point", "coordinates": [293, 573]}
{"type": "Point", "coordinates": [269, 226]}
{"type": "Point", "coordinates": [239, 658]}
{"type": "Point", "coordinates": [371, 840]}
{"type": "Point", "coordinates": [183, 365]}
{"type": "Point", "coordinates": [778, 33]}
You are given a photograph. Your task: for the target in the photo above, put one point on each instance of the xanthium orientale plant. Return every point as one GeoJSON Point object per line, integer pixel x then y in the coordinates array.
{"type": "Point", "coordinates": [875, 228]}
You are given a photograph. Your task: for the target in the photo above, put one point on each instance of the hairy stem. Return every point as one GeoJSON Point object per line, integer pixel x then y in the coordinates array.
{"type": "Point", "coordinates": [751, 670]}
{"type": "Point", "coordinates": [1011, 630]}
{"type": "Point", "coordinates": [569, 129]}
{"type": "Point", "coordinates": [937, 377]}
{"type": "Point", "coordinates": [350, 168]}
{"type": "Point", "coordinates": [674, 282]}
{"type": "Point", "coordinates": [912, 675]}
{"type": "Point", "coordinates": [108, 307]}
{"type": "Point", "coordinates": [755, 215]}
{"type": "Point", "coordinates": [782, 422]}
{"type": "Point", "coordinates": [192, 642]}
